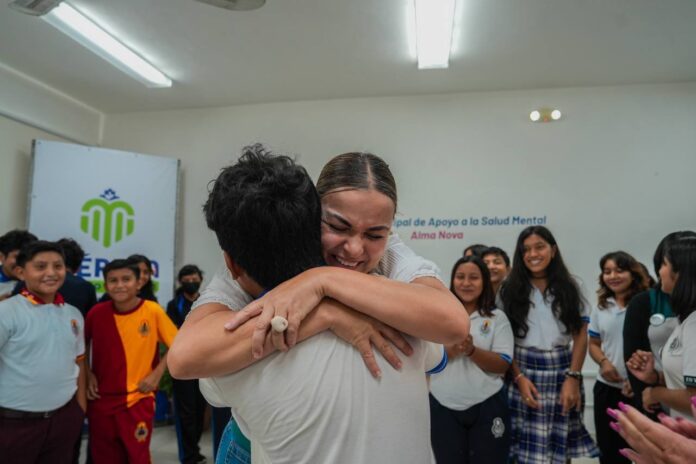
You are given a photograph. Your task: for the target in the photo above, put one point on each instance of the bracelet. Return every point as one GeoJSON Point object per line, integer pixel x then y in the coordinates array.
{"type": "Point", "coordinates": [517, 377]}
{"type": "Point", "coordinates": [602, 360]}
{"type": "Point", "coordinates": [473, 350]}
{"type": "Point", "coordinates": [577, 375]}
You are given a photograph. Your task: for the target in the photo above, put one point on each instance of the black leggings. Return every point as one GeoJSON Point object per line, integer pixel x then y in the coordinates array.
{"type": "Point", "coordinates": [481, 434]}
{"type": "Point", "coordinates": [609, 442]}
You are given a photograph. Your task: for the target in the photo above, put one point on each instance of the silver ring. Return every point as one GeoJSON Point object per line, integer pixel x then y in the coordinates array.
{"type": "Point", "coordinates": [279, 324]}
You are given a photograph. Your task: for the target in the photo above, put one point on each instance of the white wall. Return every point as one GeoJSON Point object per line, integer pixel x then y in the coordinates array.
{"type": "Point", "coordinates": [15, 160]}
{"type": "Point", "coordinates": [615, 172]}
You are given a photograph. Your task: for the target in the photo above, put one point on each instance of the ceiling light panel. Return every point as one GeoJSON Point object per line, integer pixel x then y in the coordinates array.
{"type": "Point", "coordinates": [434, 24]}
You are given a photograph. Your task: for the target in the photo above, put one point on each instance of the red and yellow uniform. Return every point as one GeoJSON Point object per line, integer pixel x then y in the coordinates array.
{"type": "Point", "coordinates": [124, 350]}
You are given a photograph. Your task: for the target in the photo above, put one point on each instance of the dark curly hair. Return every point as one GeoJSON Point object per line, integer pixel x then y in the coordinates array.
{"type": "Point", "coordinates": [626, 262]}
{"type": "Point", "coordinates": [15, 240]}
{"type": "Point", "coordinates": [266, 214]}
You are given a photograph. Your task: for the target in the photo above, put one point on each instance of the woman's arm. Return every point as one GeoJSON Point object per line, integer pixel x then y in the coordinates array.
{"type": "Point", "coordinates": [606, 368]}
{"type": "Point", "coordinates": [570, 391]}
{"type": "Point", "coordinates": [423, 308]}
{"type": "Point", "coordinates": [203, 348]}
{"type": "Point", "coordinates": [679, 399]}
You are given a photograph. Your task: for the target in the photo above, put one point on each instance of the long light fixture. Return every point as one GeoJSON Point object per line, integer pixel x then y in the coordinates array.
{"type": "Point", "coordinates": [83, 30]}
{"type": "Point", "coordinates": [434, 24]}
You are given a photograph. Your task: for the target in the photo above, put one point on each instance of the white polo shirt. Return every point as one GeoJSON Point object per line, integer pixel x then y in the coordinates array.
{"type": "Point", "coordinates": [546, 332]}
{"type": "Point", "coordinates": [607, 326]}
{"type": "Point", "coordinates": [679, 359]}
{"type": "Point", "coordinates": [39, 344]}
{"type": "Point", "coordinates": [464, 384]}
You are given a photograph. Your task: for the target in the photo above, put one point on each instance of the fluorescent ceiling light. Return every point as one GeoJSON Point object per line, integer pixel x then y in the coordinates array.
{"type": "Point", "coordinates": [434, 24]}
{"type": "Point", "coordinates": [73, 23]}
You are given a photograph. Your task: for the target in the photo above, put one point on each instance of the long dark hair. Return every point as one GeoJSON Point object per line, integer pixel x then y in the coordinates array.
{"type": "Point", "coordinates": [561, 288]}
{"type": "Point", "coordinates": [148, 290]}
{"type": "Point", "coordinates": [486, 300]}
{"type": "Point", "coordinates": [626, 262]}
{"type": "Point", "coordinates": [661, 250]}
{"type": "Point", "coordinates": [682, 256]}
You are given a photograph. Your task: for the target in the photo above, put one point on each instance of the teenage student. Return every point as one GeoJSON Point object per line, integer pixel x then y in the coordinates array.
{"type": "Point", "coordinates": [469, 414]}
{"type": "Point", "coordinates": [122, 336]}
{"type": "Point", "coordinates": [309, 400]}
{"type": "Point", "coordinates": [549, 319]}
{"type": "Point", "coordinates": [650, 319]}
{"type": "Point", "coordinates": [498, 263]}
{"type": "Point", "coordinates": [189, 404]}
{"type": "Point", "coordinates": [621, 278]}
{"type": "Point", "coordinates": [676, 383]}
{"type": "Point", "coordinates": [10, 244]}
{"type": "Point", "coordinates": [42, 387]}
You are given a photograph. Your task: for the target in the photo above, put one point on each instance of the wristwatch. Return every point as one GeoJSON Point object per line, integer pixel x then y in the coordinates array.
{"type": "Point", "coordinates": [577, 375]}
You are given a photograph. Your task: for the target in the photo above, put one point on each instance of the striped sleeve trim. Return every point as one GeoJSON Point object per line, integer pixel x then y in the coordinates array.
{"type": "Point", "coordinates": [585, 319]}
{"type": "Point", "coordinates": [594, 334]}
{"type": "Point", "coordinates": [506, 358]}
{"type": "Point", "coordinates": [440, 367]}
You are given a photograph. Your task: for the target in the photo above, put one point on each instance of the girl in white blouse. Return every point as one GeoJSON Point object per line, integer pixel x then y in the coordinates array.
{"type": "Point", "coordinates": [547, 312]}
{"type": "Point", "coordinates": [676, 384]}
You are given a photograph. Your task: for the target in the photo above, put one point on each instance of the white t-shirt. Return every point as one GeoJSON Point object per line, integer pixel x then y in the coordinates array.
{"type": "Point", "coordinates": [607, 325]}
{"type": "Point", "coordinates": [399, 262]}
{"type": "Point", "coordinates": [463, 384]}
{"type": "Point", "coordinates": [318, 403]}
{"type": "Point", "coordinates": [679, 359]}
{"type": "Point", "coordinates": [546, 332]}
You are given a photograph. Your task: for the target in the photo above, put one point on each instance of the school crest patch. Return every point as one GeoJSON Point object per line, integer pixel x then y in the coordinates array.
{"type": "Point", "coordinates": [498, 428]}
{"type": "Point", "coordinates": [675, 345]}
{"type": "Point", "coordinates": [144, 328]}
{"type": "Point", "coordinates": [485, 327]}
{"type": "Point", "coordinates": [141, 432]}
{"type": "Point", "coordinates": [75, 327]}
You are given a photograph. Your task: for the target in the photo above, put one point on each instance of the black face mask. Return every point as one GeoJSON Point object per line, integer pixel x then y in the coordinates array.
{"type": "Point", "coordinates": [190, 287]}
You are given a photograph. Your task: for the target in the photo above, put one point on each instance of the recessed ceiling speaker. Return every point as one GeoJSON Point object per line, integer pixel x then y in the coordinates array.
{"type": "Point", "coordinates": [34, 7]}
{"type": "Point", "coordinates": [237, 5]}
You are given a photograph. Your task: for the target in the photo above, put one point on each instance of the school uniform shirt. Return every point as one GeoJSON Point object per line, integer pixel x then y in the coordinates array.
{"type": "Point", "coordinates": [39, 346]}
{"type": "Point", "coordinates": [607, 326]}
{"type": "Point", "coordinates": [679, 359]}
{"type": "Point", "coordinates": [294, 405]}
{"type": "Point", "coordinates": [124, 350]}
{"type": "Point", "coordinates": [464, 384]}
{"type": "Point", "coordinates": [546, 332]}
{"type": "Point", "coordinates": [399, 262]}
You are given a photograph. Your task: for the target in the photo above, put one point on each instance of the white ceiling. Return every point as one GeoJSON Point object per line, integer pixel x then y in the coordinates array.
{"type": "Point", "coordinates": [319, 49]}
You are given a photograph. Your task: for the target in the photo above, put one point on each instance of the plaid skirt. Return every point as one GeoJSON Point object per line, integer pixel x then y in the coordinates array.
{"type": "Point", "coordinates": [545, 435]}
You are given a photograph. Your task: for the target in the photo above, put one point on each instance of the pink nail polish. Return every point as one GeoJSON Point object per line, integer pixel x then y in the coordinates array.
{"type": "Point", "coordinates": [612, 413]}
{"type": "Point", "coordinates": [624, 452]}
{"type": "Point", "coordinates": [693, 401]}
{"type": "Point", "coordinates": [615, 426]}
{"type": "Point", "coordinates": [662, 416]}
{"type": "Point", "coordinates": [623, 406]}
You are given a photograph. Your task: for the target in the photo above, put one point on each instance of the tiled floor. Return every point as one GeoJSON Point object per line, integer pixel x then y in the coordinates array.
{"type": "Point", "coordinates": [164, 448]}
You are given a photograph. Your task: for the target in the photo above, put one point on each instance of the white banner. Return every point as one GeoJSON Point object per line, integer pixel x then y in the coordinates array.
{"type": "Point", "coordinates": [113, 203]}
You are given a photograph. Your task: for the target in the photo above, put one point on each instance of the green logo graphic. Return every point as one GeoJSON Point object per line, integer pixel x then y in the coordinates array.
{"type": "Point", "coordinates": [107, 219]}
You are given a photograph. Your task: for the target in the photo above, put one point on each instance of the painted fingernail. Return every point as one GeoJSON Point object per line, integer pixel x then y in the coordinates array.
{"type": "Point", "coordinates": [662, 416]}
{"type": "Point", "coordinates": [693, 401]}
{"type": "Point", "coordinates": [613, 414]}
{"type": "Point", "coordinates": [623, 406]}
{"type": "Point", "coordinates": [398, 365]}
{"type": "Point", "coordinates": [624, 452]}
{"type": "Point", "coordinates": [615, 426]}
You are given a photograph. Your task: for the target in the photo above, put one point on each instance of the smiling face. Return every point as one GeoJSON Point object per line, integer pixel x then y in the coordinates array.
{"type": "Point", "coordinates": [355, 228]}
{"type": "Point", "coordinates": [122, 285]}
{"type": "Point", "coordinates": [618, 280]}
{"type": "Point", "coordinates": [145, 274]}
{"type": "Point", "coordinates": [497, 267]}
{"type": "Point", "coordinates": [43, 275]}
{"type": "Point", "coordinates": [537, 255]}
{"type": "Point", "coordinates": [468, 284]}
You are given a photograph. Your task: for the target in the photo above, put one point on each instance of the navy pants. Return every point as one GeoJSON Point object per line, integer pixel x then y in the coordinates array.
{"type": "Point", "coordinates": [481, 434]}
{"type": "Point", "coordinates": [609, 442]}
